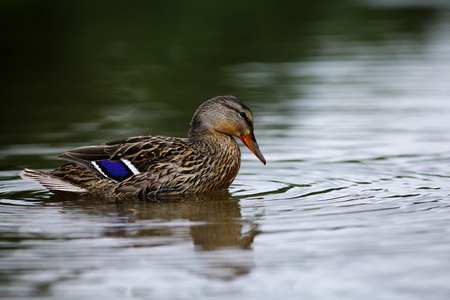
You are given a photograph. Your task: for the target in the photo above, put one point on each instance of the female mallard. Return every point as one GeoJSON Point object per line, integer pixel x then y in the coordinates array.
{"type": "Point", "coordinates": [208, 160]}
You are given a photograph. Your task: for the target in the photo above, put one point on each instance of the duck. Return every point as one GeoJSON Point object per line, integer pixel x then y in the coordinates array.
{"type": "Point", "coordinates": [207, 160]}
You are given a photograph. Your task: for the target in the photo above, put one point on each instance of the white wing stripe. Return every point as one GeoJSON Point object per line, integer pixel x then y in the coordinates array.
{"type": "Point", "coordinates": [130, 166]}
{"type": "Point", "coordinates": [94, 163]}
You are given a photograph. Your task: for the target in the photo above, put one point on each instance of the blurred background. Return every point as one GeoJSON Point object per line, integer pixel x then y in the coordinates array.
{"type": "Point", "coordinates": [80, 71]}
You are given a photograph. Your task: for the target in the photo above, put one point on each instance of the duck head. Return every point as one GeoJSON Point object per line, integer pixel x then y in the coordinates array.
{"type": "Point", "coordinates": [226, 115]}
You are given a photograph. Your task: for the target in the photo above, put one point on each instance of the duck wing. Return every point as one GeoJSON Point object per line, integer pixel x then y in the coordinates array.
{"type": "Point", "coordinates": [120, 159]}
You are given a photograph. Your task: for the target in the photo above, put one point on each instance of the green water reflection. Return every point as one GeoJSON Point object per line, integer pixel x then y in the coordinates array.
{"type": "Point", "coordinates": [72, 68]}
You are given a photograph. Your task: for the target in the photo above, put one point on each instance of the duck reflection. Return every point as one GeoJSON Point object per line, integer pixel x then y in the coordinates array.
{"type": "Point", "coordinates": [214, 219]}
{"type": "Point", "coordinates": [213, 222]}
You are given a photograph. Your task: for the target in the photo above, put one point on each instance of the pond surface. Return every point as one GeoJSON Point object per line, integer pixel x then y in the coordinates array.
{"type": "Point", "coordinates": [351, 104]}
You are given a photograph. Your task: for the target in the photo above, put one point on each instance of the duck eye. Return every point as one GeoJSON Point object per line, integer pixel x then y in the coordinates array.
{"type": "Point", "coordinates": [243, 114]}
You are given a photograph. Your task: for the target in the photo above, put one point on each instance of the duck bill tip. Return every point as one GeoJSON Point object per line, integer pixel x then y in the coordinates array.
{"type": "Point", "coordinates": [249, 140]}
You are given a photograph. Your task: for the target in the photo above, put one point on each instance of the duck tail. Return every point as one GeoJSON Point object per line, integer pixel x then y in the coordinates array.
{"type": "Point", "coordinates": [50, 182]}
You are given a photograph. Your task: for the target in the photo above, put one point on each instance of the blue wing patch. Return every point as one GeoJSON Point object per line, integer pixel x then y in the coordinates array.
{"type": "Point", "coordinates": [117, 170]}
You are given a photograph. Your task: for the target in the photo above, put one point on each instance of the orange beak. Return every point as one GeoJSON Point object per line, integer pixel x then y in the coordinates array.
{"type": "Point", "coordinates": [250, 141]}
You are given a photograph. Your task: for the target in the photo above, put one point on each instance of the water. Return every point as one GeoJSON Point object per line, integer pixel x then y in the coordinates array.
{"type": "Point", "coordinates": [351, 115]}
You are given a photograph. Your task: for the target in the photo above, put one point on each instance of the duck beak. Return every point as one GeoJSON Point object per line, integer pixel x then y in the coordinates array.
{"type": "Point", "coordinates": [250, 141]}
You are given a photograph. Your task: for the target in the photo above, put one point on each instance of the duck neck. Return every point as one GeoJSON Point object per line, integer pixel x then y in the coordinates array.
{"type": "Point", "coordinates": [213, 142]}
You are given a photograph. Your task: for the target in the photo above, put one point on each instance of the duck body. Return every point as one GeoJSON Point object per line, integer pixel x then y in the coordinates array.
{"type": "Point", "coordinates": [142, 166]}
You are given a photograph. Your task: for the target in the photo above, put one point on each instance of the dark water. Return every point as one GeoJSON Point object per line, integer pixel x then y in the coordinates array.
{"type": "Point", "coordinates": [351, 103]}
